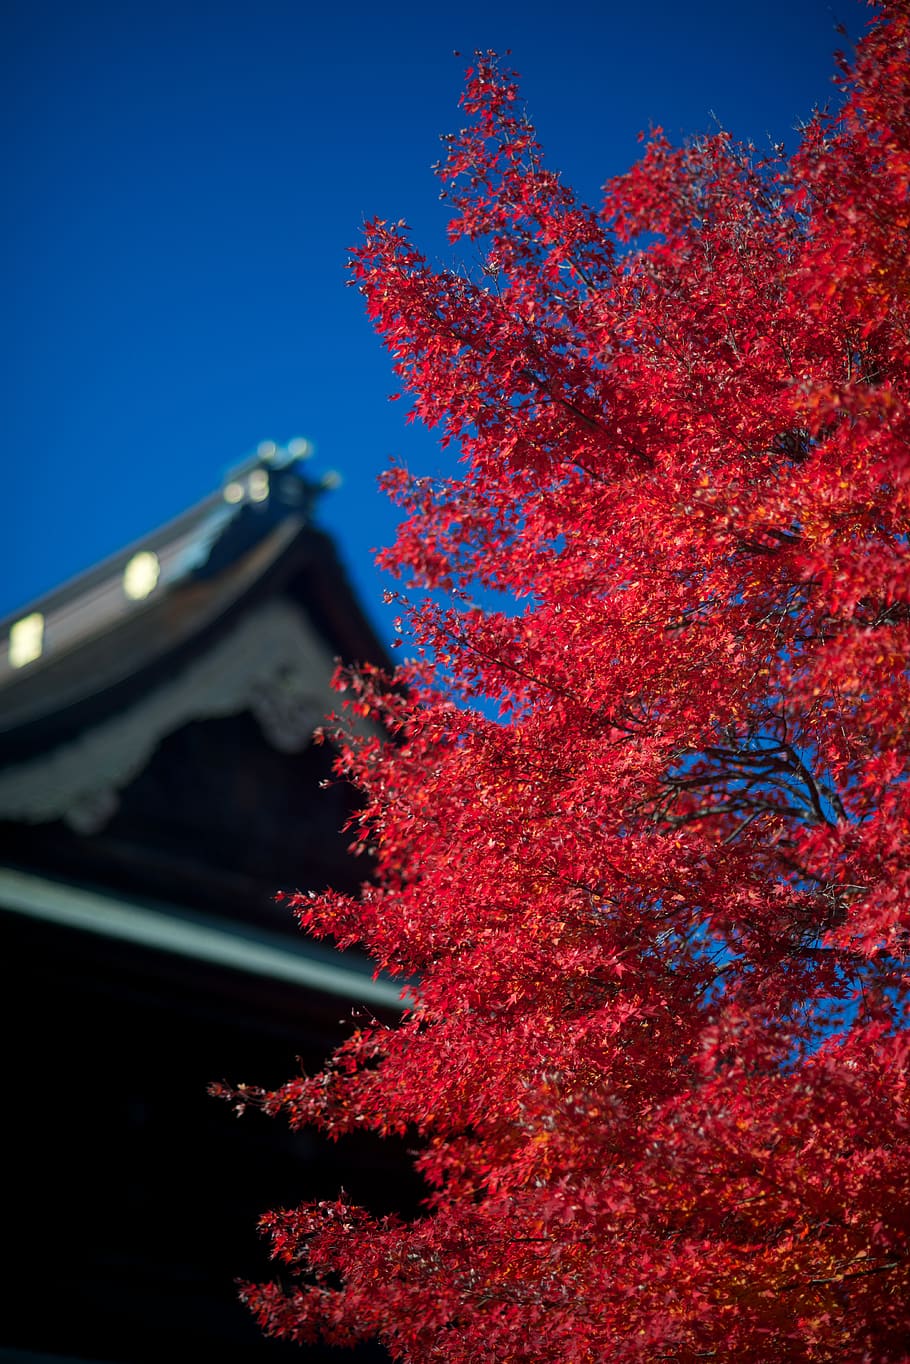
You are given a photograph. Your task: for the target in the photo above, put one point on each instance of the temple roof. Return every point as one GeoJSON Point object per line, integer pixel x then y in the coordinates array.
{"type": "Point", "coordinates": [157, 712]}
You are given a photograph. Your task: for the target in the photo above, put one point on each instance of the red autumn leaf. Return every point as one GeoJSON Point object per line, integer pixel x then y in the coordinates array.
{"type": "Point", "coordinates": [659, 910]}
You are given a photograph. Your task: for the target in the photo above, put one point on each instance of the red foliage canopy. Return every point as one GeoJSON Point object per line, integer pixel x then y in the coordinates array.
{"type": "Point", "coordinates": [659, 909]}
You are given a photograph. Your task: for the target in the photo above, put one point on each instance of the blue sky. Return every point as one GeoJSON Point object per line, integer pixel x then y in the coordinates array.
{"type": "Point", "coordinates": [182, 180]}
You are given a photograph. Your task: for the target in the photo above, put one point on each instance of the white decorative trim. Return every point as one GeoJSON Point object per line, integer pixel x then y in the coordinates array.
{"type": "Point", "coordinates": [272, 664]}
{"type": "Point", "coordinates": [265, 955]}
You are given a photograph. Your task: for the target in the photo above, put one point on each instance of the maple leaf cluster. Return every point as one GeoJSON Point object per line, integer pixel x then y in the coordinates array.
{"type": "Point", "coordinates": [656, 906]}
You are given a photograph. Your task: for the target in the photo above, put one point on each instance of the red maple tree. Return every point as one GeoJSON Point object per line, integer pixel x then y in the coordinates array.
{"type": "Point", "coordinates": [655, 1064]}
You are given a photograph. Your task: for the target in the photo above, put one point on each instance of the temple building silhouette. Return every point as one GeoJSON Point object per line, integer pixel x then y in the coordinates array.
{"type": "Point", "coordinates": [158, 784]}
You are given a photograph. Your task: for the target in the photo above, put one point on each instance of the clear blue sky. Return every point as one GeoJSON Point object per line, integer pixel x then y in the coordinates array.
{"type": "Point", "coordinates": [182, 180]}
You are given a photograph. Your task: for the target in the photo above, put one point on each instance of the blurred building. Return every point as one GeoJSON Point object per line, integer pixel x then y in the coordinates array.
{"type": "Point", "coordinates": [158, 784]}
